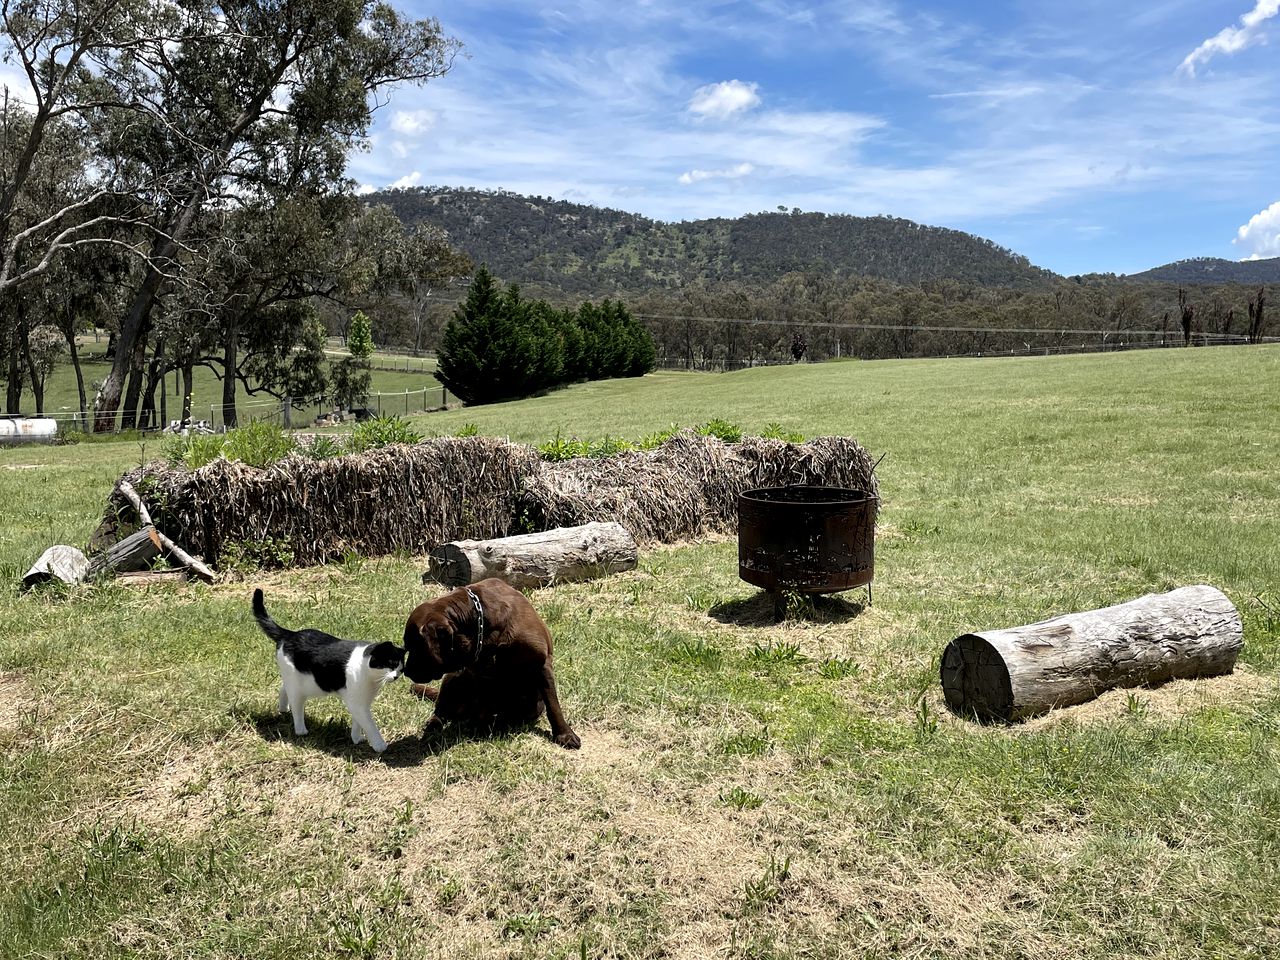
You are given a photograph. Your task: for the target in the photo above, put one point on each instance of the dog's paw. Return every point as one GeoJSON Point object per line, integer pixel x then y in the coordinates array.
{"type": "Point", "coordinates": [569, 740]}
{"type": "Point", "coordinates": [378, 747]}
{"type": "Point", "coordinates": [424, 691]}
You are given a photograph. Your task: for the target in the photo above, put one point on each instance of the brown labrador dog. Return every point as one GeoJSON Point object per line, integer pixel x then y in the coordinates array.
{"type": "Point", "coordinates": [500, 674]}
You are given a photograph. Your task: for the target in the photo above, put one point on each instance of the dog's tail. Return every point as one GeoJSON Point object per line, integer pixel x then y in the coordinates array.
{"type": "Point", "coordinates": [269, 626]}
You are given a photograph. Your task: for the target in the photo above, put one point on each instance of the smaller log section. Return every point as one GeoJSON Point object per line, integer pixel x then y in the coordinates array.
{"type": "Point", "coordinates": [536, 559]}
{"type": "Point", "coordinates": [1021, 672]}
{"type": "Point", "coordinates": [134, 552]}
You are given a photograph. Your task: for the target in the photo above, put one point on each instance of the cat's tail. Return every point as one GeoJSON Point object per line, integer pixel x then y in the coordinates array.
{"type": "Point", "coordinates": [269, 626]}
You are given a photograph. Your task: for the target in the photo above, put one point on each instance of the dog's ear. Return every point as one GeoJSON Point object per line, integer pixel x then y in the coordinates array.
{"type": "Point", "coordinates": [430, 646]}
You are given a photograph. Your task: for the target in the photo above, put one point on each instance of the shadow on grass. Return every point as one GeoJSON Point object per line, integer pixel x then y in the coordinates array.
{"type": "Point", "coordinates": [334, 737]}
{"type": "Point", "coordinates": [760, 610]}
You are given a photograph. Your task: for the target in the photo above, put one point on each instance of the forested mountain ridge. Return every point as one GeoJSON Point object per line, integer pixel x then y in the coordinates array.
{"type": "Point", "coordinates": [584, 249]}
{"type": "Point", "coordinates": [1211, 270]}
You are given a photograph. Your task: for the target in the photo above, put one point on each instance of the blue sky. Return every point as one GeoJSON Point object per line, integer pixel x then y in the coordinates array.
{"type": "Point", "coordinates": [1089, 136]}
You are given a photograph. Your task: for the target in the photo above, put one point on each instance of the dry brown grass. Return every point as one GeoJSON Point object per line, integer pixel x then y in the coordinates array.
{"type": "Point", "coordinates": [15, 699]}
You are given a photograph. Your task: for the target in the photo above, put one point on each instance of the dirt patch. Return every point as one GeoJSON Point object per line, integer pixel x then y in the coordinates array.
{"type": "Point", "coordinates": [15, 698]}
{"type": "Point", "coordinates": [651, 855]}
{"type": "Point", "coordinates": [607, 843]}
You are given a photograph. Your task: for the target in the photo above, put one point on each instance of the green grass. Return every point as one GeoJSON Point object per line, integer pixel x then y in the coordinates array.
{"type": "Point", "coordinates": [744, 789]}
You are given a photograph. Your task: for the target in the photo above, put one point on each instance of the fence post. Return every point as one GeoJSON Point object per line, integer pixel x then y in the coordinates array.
{"type": "Point", "coordinates": [286, 412]}
{"type": "Point", "coordinates": [406, 401]}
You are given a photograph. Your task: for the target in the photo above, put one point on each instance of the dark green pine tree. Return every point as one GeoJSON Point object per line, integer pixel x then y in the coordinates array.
{"type": "Point", "coordinates": [466, 347]}
{"type": "Point", "coordinates": [641, 353]}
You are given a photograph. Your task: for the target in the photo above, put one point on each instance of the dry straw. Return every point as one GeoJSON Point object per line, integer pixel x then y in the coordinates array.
{"type": "Point", "coordinates": [413, 498]}
{"type": "Point", "coordinates": [689, 486]}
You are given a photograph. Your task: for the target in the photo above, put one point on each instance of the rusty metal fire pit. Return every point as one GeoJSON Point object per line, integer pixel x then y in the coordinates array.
{"type": "Point", "coordinates": [806, 540]}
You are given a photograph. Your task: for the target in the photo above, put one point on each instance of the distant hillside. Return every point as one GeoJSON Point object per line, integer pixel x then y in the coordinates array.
{"type": "Point", "coordinates": [588, 250]}
{"type": "Point", "coordinates": [1212, 270]}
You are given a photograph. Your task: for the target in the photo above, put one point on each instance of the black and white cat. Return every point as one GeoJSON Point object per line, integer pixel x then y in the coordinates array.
{"type": "Point", "coordinates": [315, 664]}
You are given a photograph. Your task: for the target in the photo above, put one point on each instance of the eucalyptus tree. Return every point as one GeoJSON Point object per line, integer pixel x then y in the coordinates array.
{"type": "Point", "coordinates": [60, 47]}
{"type": "Point", "coordinates": [43, 288]}
{"type": "Point", "coordinates": [250, 100]}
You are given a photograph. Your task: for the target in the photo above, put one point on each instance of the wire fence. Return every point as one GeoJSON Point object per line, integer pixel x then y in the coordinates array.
{"type": "Point", "coordinates": [291, 416]}
{"type": "Point", "coordinates": [1108, 344]}
{"type": "Point", "coordinates": [390, 362]}
{"type": "Point", "coordinates": [285, 413]}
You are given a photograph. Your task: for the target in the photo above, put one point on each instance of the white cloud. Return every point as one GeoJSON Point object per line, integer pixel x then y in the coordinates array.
{"type": "Point", "coordinates": [729, 173]}
{"type": "Point", "coordinates": [992, 93]}
{"type": "Point", "coordinates": [364, 189]}
{"type": "Point", "coordinates": [18, 86]}
{"type": "Point", "coordinates": [408, 180]}
{"type": "Point", "coordinates": [1261, 235]}
{"type": "Point", "coordinates": [722, 100]}
{"type": "Point", "coordinates": [1232, 39]}
{"type": "Point", "coordinates": [413, 122]}
{"type": "Point", "coordinates": [399, 149]}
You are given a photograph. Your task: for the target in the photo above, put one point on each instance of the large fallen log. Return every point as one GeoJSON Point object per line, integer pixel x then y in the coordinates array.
{"type": "Point", "coordinates": [1021, 672]}
{"type": "Point", "coordinates": [535, 559]}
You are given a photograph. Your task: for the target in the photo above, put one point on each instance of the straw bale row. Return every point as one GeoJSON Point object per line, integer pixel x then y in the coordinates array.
{"type": "Point", "coordinates": [396, 498]}
{"type": "Point", "coordinates": [413, 498]}
{"type": "Point", "coordinates": [688, 487]}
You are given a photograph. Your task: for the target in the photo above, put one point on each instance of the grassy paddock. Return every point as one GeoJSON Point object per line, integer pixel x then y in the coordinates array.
{"type": "Point", "coordinates": [744, 789]}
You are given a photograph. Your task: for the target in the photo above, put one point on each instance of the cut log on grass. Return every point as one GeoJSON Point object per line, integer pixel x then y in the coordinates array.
{"type": "Point", "coordinates": [59, 562]}
{"type": "Point", "coordinates": [536, 559]}
{"type": "Point", "coordinates": [134, 552]}
{"type": "Point", "coordinates": [1021, 672]}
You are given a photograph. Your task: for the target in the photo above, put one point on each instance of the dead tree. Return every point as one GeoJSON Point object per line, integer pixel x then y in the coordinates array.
{"type": "Point", "coordinates": [1188, 311]}
{"type": "Point", "coordinates": [1255, 315]}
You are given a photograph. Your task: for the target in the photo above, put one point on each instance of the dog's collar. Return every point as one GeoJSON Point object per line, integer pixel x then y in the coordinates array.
{"type": "Point", "coordinates": [475, 602]}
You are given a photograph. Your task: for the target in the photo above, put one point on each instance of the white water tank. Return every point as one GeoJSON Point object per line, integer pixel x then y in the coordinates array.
{"type": "Point", "coordinates": [15, 430]}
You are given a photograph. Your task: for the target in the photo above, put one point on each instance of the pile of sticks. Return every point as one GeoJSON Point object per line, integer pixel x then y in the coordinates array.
{"type": "Point", "coordinates": [132, 558]}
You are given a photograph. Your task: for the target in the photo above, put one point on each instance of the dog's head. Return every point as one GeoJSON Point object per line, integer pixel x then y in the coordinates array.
{"type": "Point", "coordinates": [429, 642]}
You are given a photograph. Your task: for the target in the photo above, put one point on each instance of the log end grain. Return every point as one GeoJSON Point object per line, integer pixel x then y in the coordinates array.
{"type": "Point", "coordinates": [975, 680]}
{"type": "Point", "coordinates": [449, 565]}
